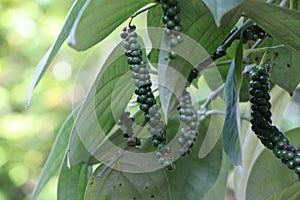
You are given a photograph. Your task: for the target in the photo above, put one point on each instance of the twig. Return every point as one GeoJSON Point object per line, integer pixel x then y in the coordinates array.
{"type": "Point", "coordinates": [145, 8]}
{"type": "Point", "coordinates": [264, 58]}
{"type": "Point", "coordinates": [213, 95]}
{"type": "Point", "coordinates": [221, 50]}
{"type": "Point", "coordinates": [219, 112]}
{"type": "Point", "coordinates": [263, 49]}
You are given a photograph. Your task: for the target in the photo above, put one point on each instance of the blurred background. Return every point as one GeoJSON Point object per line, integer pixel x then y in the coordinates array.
{"type": "Point", "coordinates": [27, 30]}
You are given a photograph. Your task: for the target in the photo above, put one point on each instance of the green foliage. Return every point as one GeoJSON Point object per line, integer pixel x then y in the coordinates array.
{"type": "Point", "coordinates": [286, 64]}
{"type": "Point", "coordinates": [95, 137]}
{"type": "Point", "coordinates": [72, 182]}
{"type": "Point", "coordinates": [271, 17]}
{"type": "Point", "coordinates": [231, 129]}
{"type": "Point", "coordinates": [220, 8]}
{"type": "Point", "coordinates": [269, 179]}
{"type": "Point", "coordinates": [107, 182]}
{"type": "Point", "coordinates": [97, 19]}
{"type": "Point", "coordinates": [96, 118]}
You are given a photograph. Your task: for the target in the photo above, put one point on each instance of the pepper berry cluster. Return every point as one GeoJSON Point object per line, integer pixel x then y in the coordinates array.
{"type": "Point", "coordinates": [156, 129]}
{"type": "Point", "coordinates": [270, 135]}
{"type": "Point", "coordinates": [171, 19]}
{"type": "Point", "coordinates": [126, 122]}
{"type": "Point", "coordinates": [188, 135]}
{"type": "Point", "coordinates": [254, 32]}
{"type": "Point", "coordinates": [139, 70]}
{"type": "Point", "coordinates": [145, 98]}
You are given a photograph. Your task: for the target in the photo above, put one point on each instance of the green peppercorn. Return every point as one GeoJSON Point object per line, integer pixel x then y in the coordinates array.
{"type": "Point", "coordinates": [296, 160]}
{"type": "Point", "coordinates": [290, 164]}
{"type": "Point", "coordinates": [172, 55]}
{"type": "Point", "coordinates": [144, 107]}
{"type": "Point", "coordinates": [255, 84]}
{"type": "Point", "coordinates": [289, 156]}
{"type": "Point", "coordinates": [297, 170]}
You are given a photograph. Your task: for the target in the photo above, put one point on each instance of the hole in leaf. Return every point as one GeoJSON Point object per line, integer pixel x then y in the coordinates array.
{"type": "Point", "coordinates": [288, 65]}
{"type": "Point", "coordinates": [147, 185]}
{"type": "Point", "coordinates": [120, 184]}
{"type": "Point", "coordinates": [91, 183]}
{"type": "Point", "coordinates": [152, 196]}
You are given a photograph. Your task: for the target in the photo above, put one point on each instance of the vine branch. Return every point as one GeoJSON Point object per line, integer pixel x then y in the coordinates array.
{"type": "Point", "coordinates": [221, 50]}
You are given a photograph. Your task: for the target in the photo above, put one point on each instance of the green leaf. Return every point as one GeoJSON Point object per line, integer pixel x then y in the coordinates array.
{"type": "Point", "coordinates": [99, 18]}
{"type": "Point", "coordinates": [270, 179]}
{"type": "Point", "coordinates": [219, 8]}
{"type": "Point", "coordinates": [48, 57]}
{"type": "Point", "coordinates": [288, 63]}
{"type": "Point", "coordinates": [172, 80]}
{"type": "Point", "coordinates": [194, 177]}
{"type": "Point", "coordinates": [218, 191]}
{"type": "Point", "coordinates": [281, 23]}
{"type": "Point", "coordinates": [56, 155]}
{"type": "Point", "coordinates": [72, 182]}
{"type": "Point", "coordinates": [107, 182]}
{"type": "Point", "coordinates": [279, 99]}
{"type": "Point", "coordinates": [105, 102]}
{"type": "Point", "coordinates": [232, 129]}
{"type": "Point", "coordinates": [198, 25]}
{"type": "Point", "coordinates": [214, 131]}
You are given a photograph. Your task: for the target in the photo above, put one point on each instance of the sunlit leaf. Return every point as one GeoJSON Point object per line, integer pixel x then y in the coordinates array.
{"type": "Point", "coordinates": [281, 23]}
{"type": "Point", "coordinates": [99, 18]}
{"type": "Point", "coordinates": [56, 155]}
{"type": "Point", "coordinates": [108, 182]}
{"type": "Point", "coordinates": [72, 182]}
{"type": "Point", "coordinates": [48, 57]}
{"type": "Point", "coordinates": [232, 129]}
{"type": "Point", "coordinates": [219, 8]}
{"type": "Point", "coordinates": [270, 179]}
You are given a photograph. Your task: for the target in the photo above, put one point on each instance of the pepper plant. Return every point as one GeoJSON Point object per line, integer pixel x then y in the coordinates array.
{"type": "Point", "coordinates": [188, 107]}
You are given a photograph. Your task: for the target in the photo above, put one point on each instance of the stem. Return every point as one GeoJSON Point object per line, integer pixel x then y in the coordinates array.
{"type": "Point", "coordinates": [219, 112]}
{"type": "Point", "coordinates": [223, 62]}
{"type": "Point", "coordinates": [213, 96]}
{"type": "Point", "coordinates": [256, 43]}
{"type": "Point", "coordinates": [221, 50]}
{"type": "Point", "coordinates": [263, 49]}
{"type": "Point", "coordinates": [145, 8]}
{"type": "Point", "coordinates": [248, 68]}
{"type": "Point", "coordinates": [264, 58]}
